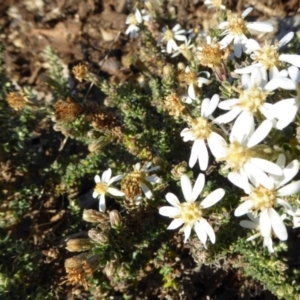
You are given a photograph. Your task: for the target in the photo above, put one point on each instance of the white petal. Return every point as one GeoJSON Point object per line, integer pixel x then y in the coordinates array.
{"type": "Point", "coordinates": [186, 187]}
{"type": "Point", "coordinates": [209, 230]}
{"type": "Point", "coordinates": [192, 92]}
{"type": "Point", "coordinates": [187, 232]}
{"type": "Point", "coordinates": [153, 178]}
{"type": "Point", "coordinates": [201, 233]}
{"type": "Point", "coordinates": [260, 26]}
{"type": "Point", "coordinates": [286, 39]}
{"type": "Point", "coordinates": [137, 166]}
{"type": "Point", "coordinates": [228, 104]}
{"type": "Point", "coordinates": [257, 176]}
{"type": "Point", "coordinates": [244, 70]}
{"type": "Point", "coordinates": [102, 205]}
{"type": "Point", "coordinates": [97, 179]}
{"type": "Point", "coordinates": [268, 243]}
{"type": "Point", "coordinates": [289, 172]}
{"type": "Point", "coordinates": [280, 82]}
{"type": "Point", "coordinates": [292, 59]}
{"type": "Point", "coordinates": [168, 211]}
{"type": "Point", "coordinates": [288, 208]}
{"type": "Point", "coordinates": [223, 25]}
{"type": "Point", "coordinates": [289, 189]}
{"type": "Point", "coordinates": [256, 77]}
{"type": "Point", "coordinates": [204, 107]}
{"type": "Point", "coordinates": [248, 224]}
{"type": "Point", "coordinates": [106, 175]}
{"type": "Point", "coordinates": [138, 16]}
{"type": "Point", "coordinates": [173, 200]}
{"type": "Point", "coordinates": [265, 223]}
{"type": "Point", "coordinates": [115, 178]}
{"type": "Point", "coordinates": [294, 74]}
{"type": "Point", "coordinates": [146, 191]}
{"type": "Point", "coordinates": [203, 156]}
{"type": "Point", "coordinates": [194, 153]}
{"type": "Point", "coordinates": [213, 104]}
{"type": "Point", "coordinates": [243, 208]}
{"type": "Point", "coordinates": [260, 133]}
{"type": "Point", "coordinates": [176, 27]}
{"type": "Point", "coordinates": [281, 159]}
{"type": "Point", "coordinates": [246, 12]}
{"type": "Point", "coordinates": [217, 145]}
{"type": "Point", "coordinates": [278, 225]}
{"type": "Point", "coordinates": [213, 198]}
{"type": "Point", "coordinates": [266, 166]}
{"type": "Point", "coordinates": [198, 186]}
{"type": "Point", "coordinates": [242, 128]}
{"type": "Point", "coordinates": [240, 181]}
{"type": "Point", "coordinates": [95, 194]}
{"type": "Point", "coordinates": [228, 117]}
{"type": "Point", "coordinates": [226, 40]}
{"type": "Point", "coordinates": [237, 47]}
{"type": "Point", "coordinates": [175, 224]}
{"type": "Point", "coordinates": [115, 192]}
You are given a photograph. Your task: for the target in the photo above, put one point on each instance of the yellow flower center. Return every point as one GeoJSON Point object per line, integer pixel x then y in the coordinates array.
{"type": "Point", "coordinates": [101, 188]}
{"type": "Point", "coordinates": [237, 25]}
{"type": "Point", "coordinates": [168, 35]}
{"type": "Point", "coordinates": [132, 20]}
{"type": "Point", "coordinates": [201, 129]}
{"type": "Point", "coordinates": [268, 56]}
{"type": "Point", "coordinates": [210, 55]}
{"type": "Point", "coordinates": [237, 156]}
{"type": "Point", "coordinates": [190, 77]}
{"type": "Point", "coordinates": [263, 198]}
{"type": "Point", "coordinates": [252, 99]}
{"type": "Point", "coordinates": [189, 213]}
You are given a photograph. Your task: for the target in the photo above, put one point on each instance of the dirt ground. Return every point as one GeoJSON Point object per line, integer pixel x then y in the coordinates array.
{"type": "Point", "coordinates": [85, 31]}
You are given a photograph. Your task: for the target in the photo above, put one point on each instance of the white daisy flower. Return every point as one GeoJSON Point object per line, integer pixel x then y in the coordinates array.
{"type": "Point", "coordinates": [262, 201]}
{"type": "Point", "coordinates": [194, 81]}
{"type": "Point", "coordinates": [236, 29]}
{"type": "Point", "coordinates": [286, 110]}
{"type": "Point", "coordinates": [189, 214]}
{"type": "Point", "coordinates": [184, 49]}
{"type": "Point", "coordinates": [242, 155]}
{"type": "Point", "coordinates": [103, 187]}
{"type": "Point", "coordinates": [170, 35]}
{"type": "Point", "coordinates": [254, 224]}
{"type": "Point", "coordinates": [295, 213]}
{"type": "Point", "coordinates": [200, 131]}
{"type": "Point", "coordinates": [268, 58]}
{"type": "Point", "coordinates": [134, 20]}
{"type": "Point", "coordinates": [141, 175]}
{"type": "Point", "coordinates": [252, 100]}
{"type": "Point", "coordinates": [217, 4]}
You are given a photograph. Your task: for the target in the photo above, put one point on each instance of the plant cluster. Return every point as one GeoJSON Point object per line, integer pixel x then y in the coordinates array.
{"type": "Point", "coordinates": [207, 122]}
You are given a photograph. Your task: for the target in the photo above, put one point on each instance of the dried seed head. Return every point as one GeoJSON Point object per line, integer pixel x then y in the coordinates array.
{"type": "Point", "coordinates": [67, 111]}
{"type": "Point", "coordinates": [15, 100]}
{"type": "Point", "coordinates": [173, 105]}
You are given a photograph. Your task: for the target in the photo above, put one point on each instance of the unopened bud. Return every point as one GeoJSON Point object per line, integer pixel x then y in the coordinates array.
{"type": "Point", "coordinates": [98, 237]}
{"type": "Point", "coordinates": [168, 71]}
{"type": "Point", "coordinates": [94, 216]}
{"type": "Point", "coordinates": [115, 219]}
{"type": "Point", "coordinates": [77, 245]}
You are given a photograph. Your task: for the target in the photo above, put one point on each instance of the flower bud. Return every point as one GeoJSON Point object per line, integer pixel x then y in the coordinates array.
{"type": "Point", "coordinates": [94, 216]}
{"type": "Point", "coordinates": [77, 245]}
{"type": "Point", "coordinates": [115, 219]}
{"type": "Point", "coordinates": [98, 237]}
